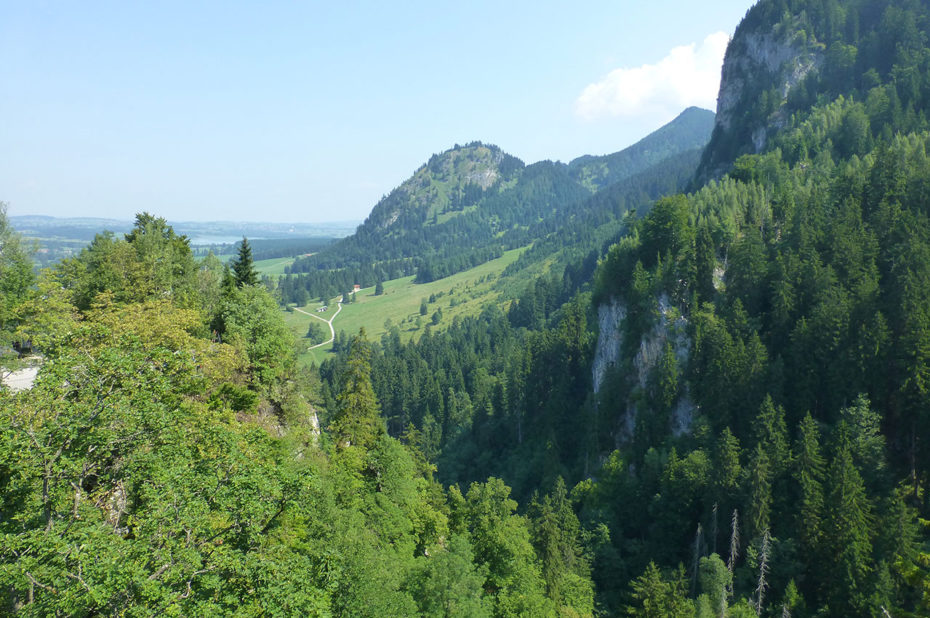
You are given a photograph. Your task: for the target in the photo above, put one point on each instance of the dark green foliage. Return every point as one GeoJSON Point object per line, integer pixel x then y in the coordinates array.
{"type": "Point", "coordinates": [243, 267]}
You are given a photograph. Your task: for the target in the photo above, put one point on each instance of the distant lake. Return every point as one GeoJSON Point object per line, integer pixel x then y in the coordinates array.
{"type": "Point", "coordinates": [218, 240]}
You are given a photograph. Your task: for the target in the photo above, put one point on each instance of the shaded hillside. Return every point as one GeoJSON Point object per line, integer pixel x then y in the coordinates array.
{"type": "Point", "coordinates": [691, 129]}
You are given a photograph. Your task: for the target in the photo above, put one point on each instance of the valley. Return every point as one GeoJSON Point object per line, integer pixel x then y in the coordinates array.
{"type": "Point", "coordinates": [689, 378]}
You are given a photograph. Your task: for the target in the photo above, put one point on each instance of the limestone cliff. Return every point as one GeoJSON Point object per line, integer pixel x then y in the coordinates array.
{"type": "Point", "coordinates": [761, 67]}
{"type": "Point", "coordinates": [670, 327]}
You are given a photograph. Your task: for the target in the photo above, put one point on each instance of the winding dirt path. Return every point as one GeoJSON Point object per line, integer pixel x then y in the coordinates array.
{"type": "Point", "coordinates": [332, 331]}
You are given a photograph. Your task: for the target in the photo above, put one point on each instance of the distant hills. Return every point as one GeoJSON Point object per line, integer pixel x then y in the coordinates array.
{"type": "Point", "coordinates": [471, 203]}
{"type": "Point", "coordinates": [84, 228]}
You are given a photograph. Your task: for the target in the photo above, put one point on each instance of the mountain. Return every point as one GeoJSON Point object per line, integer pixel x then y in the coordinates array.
{"type": "Point", "coordinates": [470, 203]}
{"type": "Point", "coordinates": [691, 129]}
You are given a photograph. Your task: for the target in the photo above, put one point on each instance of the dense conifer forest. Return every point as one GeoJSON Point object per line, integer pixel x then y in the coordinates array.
{"type": "Point", "coordinates": [711, 403]}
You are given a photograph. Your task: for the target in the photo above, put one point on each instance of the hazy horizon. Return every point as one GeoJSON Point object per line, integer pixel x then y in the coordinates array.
{"type": "Point", "coordinates": [311, 113]}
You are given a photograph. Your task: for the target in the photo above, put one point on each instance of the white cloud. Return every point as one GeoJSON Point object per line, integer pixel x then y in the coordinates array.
{"type": "Point", "coordinates": [688, 75]}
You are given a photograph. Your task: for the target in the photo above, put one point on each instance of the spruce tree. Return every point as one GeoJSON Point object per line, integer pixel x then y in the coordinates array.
{"type": "Point", "coordinates": [357, 419]}
{"type": "Point", "coordinates": [759, 490]}
{"type": "Point", "coordinates": [243, 266]}
{"type": "Point", "coordinates": [847, 537]}
{"type": "Point", "coordinates": [808, 476]}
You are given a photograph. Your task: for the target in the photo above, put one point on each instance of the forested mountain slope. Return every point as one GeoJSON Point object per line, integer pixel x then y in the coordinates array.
{"type": "Point", "coordinates": [757, 442]}
{"type": "Point", "coordinates": [471, 203]}
{"type": "Point", "coordinates": [691, 129]}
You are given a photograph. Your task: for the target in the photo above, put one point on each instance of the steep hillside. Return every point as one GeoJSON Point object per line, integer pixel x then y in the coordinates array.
{"type": "Point", "coordinates": [790, 59]}
{"type": "Point", "coordinates": [691, 129]}
{"type": "Point", "coordinates": [745, 391]}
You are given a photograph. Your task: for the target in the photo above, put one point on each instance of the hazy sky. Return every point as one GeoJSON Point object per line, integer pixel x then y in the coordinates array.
{"type": "Point", "coordinates": [311, 111]}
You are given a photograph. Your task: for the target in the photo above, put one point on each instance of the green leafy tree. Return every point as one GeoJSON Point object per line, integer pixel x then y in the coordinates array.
{"type": "Point", "coordinates": [449, 584]}
{"type": "Point", "coordinates": [501, 541]}
{"type": "Point", "coordinates": [249, 318]}
{"type": "Point", "coordinates": [16, 276]}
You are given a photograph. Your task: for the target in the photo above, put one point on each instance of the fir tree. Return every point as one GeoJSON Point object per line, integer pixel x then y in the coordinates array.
{"type": "Point", "coordinates": [848, 537]}
{"type": "Point", "coordinates": [357, 418]}
{"type": "Point", "coordinates": [243, 266]}
{"type": "Point", "coordinates": [808, 476]}
{"type": "Point", "coordinates": [759, 486]}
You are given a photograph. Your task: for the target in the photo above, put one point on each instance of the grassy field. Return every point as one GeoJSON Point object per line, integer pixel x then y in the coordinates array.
{"type": "Point", "coordinates": [274, 266]}
{"type": "Point", "coordinates": [461, 294]}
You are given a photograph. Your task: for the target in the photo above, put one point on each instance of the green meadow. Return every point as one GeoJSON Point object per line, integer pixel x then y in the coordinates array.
{"type": "Point", "coordinates": [458, 295]}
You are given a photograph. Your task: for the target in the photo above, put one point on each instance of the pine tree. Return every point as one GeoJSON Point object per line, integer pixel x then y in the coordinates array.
{"type": "Point", "coordinates": [706, 262]}
{"type": "Point", "coordinates": [379, 288]}
{"type": "Point", "coordinates": [357, 420]}
{"type": "Point", "coordinates": [658, 597]}
{"type": "Point", "coordinates": [243, 266]}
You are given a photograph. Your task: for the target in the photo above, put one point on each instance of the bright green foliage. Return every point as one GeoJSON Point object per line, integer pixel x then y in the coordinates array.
{"type": "Point", "coordinates": [151, 262]}
{"type": "Point", "coordinates": [356, 420]}
{"type": "Point", "coordinates": [556, 535]}
{"type": "Point", "coordinates": [124, 492]}
{"type": "Point", "coordinates": [501, 541]}
{"type": "Point", "coordinates": [450, 585]}
{"type": "Point", "coordinates": [656, 596]}
{"type": "Point", "coordinates": [16, 277]}
{"type": "Point", "coordinates": [667, 230]}
{"type": "Point", "coordinates": [715, 581]}
{"type": "Point", "coordinates": [249, 318]}
{"type": "Point", "coordinates": [242, 266]}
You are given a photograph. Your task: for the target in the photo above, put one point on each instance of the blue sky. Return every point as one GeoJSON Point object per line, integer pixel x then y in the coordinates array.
{"type": "Point", "coordinates": [308, 111]}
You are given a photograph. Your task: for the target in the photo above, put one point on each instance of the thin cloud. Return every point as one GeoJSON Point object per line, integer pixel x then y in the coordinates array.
{"type": "Point", "coordinates": [688, 75]}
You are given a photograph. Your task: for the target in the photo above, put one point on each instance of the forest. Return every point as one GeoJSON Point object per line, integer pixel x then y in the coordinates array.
{"type": "Point", "coordinates": [706, 403]}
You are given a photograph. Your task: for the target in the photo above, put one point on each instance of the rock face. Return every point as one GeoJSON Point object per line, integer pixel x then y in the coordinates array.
{"type": "Point", "coordinates": [610, 337]}
{"type": "Point", "coordinates": [755, 60]}
{"type": "Point", "coordinates": [671, 327]}
{"type": "Point", "coordinates": [19, 380]}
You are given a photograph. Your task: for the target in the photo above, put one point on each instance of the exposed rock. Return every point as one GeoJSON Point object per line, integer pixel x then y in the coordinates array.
{"type": "Point", "coordinates": [778, 56]}
{"type": "Point", "coordinates": [672, 328]}
{"type": "Point", "coordinates": [609, 320]}
{"type": "Point", "coordinates": [114, 504]}
{"type": "Point", "coordinates": [21, 379]}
